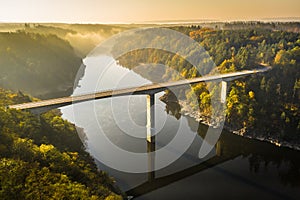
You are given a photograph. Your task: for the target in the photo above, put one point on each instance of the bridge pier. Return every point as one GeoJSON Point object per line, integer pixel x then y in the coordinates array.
{"type": "Point", "coordinates": [151, 135]}
{"type": "Point", "coordinates": [224, 91]}
{"type": "Point", "coordinates": [151, 118]}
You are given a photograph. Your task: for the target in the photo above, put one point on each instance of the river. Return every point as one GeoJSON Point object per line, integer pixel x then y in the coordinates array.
{"type": "Point", "coordinates": [236, 168]}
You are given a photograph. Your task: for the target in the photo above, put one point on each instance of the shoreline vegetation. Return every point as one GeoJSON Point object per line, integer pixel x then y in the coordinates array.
{"type": "Point", "coordinates": [186, 110]}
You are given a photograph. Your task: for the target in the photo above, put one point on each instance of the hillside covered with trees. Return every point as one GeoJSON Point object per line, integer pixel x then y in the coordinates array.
{"type": "Point", "coordinates": [37, 64]}
{"type": "Point", "coordinates": [266, 105]}
{"type": "Point", "coordinates": [43, 59]}
{"type": "Point", "coordinates": [44, 158]}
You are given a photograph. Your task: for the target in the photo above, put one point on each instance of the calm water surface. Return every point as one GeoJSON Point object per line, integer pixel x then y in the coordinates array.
{"type": "Point", "coordinates": [236, 168]}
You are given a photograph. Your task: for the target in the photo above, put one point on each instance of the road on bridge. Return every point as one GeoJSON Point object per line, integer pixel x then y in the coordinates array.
{"type": "Point", "coordinates": [146, 89]}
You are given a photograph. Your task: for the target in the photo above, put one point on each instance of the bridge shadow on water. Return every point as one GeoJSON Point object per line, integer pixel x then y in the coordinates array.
{"type": "Point", "coordinates": [240, 154]}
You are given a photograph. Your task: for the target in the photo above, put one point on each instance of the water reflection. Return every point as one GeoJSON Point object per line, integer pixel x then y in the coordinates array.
{"type": "Point", "coordinates": [173, 108]}
{"type": "Point", "coordinates": [265, 160]}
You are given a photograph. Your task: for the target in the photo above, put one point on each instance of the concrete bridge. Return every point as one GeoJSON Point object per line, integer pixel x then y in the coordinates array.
{"type": "Point", "coordinates": [149, 90]}
{"type": "Point", "coordinates": [45, 105]}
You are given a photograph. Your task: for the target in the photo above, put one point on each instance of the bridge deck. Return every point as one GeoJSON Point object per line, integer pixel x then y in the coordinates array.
{"type": "Point", "coordinates": [146, 89]}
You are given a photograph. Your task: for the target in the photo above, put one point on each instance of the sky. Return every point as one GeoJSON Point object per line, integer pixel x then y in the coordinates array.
{"type": "Point", "coordinates": [133, 11]}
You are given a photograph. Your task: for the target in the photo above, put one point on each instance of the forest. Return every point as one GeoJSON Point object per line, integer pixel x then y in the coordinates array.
{"type": "Point", "coordinates": [32, 62]}
{"type": "Point", "coordinates": [43, 59]}
{"type": "Point", "coordinates": [266, 105]}
{"type": "Point", "coordinates": [44, 158]}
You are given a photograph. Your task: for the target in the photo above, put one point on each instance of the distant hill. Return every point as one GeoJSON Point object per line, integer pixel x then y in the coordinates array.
{"type": "Point", "coordinates": [37, 64]}
{"type": "Point", "coordinates": [82, 37]}
{"type": "Point", "coordinates": [42, 59]}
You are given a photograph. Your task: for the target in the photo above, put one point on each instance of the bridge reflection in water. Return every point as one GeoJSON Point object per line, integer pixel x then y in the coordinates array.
{"type": "Point", "coordinates": [153, 182]}
{"type": "Point", "coordinates": [228, 147]}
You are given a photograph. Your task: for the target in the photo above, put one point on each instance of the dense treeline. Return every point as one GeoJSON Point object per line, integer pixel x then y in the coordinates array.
{"type": "Point", "coordinates": [43, 158]}
{"type": "Point", "coordinates": [32, 63]}
{"type": "Point", "coordinates": [267, 104]}
{"type": "Point", "coordinates": [282, 26]}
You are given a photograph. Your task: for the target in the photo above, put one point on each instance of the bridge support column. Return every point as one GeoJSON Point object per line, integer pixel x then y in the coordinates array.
{"type": "Point", "coordinates": [150, 118]}
{"type": "Point", "coordinates": [224, 91]}
{"type": "Point", "coordinates": [151, 135]}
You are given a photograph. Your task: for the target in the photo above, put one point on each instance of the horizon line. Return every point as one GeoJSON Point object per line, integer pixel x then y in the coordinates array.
{"type": "Point", "coordinates": [171, 21]}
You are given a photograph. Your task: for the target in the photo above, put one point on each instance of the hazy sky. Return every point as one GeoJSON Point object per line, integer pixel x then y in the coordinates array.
{"type": "Point", "coordinates": [107, 11]}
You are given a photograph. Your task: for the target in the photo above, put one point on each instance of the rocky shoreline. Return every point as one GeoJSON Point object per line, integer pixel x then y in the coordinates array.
{"type": "Point", "coordinates": [188, 111]}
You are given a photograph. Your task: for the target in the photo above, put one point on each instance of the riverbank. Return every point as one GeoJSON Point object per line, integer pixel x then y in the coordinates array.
{"type": "Point", "coordinates": [274, 139]}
